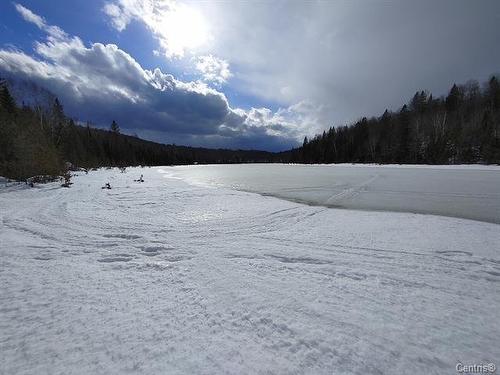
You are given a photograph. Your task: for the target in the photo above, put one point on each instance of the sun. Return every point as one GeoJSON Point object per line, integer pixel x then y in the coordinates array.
{"type": "Point", "coordinates": [183, 28]}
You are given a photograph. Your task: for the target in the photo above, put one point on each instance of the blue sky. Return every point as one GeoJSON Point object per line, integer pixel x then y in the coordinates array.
{"type": "Point", "coordinates": [244, 74]}
{"type": "Point", "coordinates": [86, 20]}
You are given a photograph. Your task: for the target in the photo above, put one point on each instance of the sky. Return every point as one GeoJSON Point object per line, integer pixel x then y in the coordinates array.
{"type": "Point", "coordinates": [244, 74]}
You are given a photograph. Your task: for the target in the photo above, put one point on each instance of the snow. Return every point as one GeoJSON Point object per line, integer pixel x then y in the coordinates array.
{"type": "Point", "coordinates": [482, 167]}
{"type": "Point", "coordinates": [169, 277]}
{"type": "Point", "coordinates": [465, 191]}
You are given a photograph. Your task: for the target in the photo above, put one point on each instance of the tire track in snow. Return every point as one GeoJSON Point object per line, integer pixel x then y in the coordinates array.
{"type": "Point", "coordinates": [350, 192]}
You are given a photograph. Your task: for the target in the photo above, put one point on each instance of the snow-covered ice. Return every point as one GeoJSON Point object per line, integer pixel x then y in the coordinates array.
{"type": "Point", "coordinates": [466, 191]}
{"type": "Point", "coordinates": [166, 277]}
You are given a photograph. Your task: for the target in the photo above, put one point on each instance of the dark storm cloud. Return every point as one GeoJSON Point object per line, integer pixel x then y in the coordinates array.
{"type": "Point", "coordinates": [356, 57]}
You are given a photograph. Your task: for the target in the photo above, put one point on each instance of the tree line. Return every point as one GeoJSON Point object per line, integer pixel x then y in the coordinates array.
{"type": "Point", "coordinates": [44, 141]}
{"type": "Point", "coordinates": [463, 127]}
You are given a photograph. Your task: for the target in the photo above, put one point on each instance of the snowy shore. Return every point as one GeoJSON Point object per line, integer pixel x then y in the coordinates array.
{"type": "Point", "coordinates": [168, 277]}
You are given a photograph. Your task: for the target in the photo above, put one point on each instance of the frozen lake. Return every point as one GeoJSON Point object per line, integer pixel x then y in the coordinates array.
{"type": "Point", "coordinates": [471, 192]}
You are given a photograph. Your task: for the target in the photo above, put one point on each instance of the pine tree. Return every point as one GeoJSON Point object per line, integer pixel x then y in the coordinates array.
{"type": "Point", "coordinates": [59, 120]}
{"type": "Point", "coordinates": [114, 127]}
{"type": "Point", "coordinates": [494, 92]}
{"type": "Point", "coordinates": [58, 111]}
{"type": "Point", "coordinates": [7, 102]}
{"type": "Point", "coordinates": [454, 98]}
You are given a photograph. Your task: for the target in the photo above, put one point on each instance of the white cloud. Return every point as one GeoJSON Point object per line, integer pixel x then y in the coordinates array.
{"type": "Point", "coordinates": [179, 28]}
{"type": "Point", "coordinates": [213, 69]}
{"type": "Point", "coordinates": [110, 79]}
{"type": "Point", "coordinates": [102, 82]}
{"type": "Point", "coordinates": [296, 121]}
{"type": "Point", "coordinates": [120, 16]}
{"type": "Point", "coordinates": [29, 16]}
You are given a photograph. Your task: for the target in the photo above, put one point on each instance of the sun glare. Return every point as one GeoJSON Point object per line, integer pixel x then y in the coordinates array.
{"type": "Point", "coordinates": [184, 28]}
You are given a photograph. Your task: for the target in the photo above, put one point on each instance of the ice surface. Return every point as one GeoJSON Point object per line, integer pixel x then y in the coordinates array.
{"type": "Point", "coordinates": [466, 191]}
{"type": "Point", "coordinates": [166, 277]}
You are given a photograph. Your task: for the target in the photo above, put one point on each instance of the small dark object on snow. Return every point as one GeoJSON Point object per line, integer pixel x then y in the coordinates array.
{"type": "Point", "coordinates": [140, 179]}
{"type": "Point", "coordinates": [67, 180]}
{"type": "Point", "coordinates": [41, 179]}
{"type": "Point", "coordinates": [106, 186]}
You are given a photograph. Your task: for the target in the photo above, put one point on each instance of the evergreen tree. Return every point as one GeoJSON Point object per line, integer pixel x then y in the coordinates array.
{"type": "Point", "coordinates": [7, 102]}
{"type": "Point", "coordinates": [454, 98]}
{"type": "Point", "coordinates": [58, 122]}
{"type": "Point", "coordinates": [114, 127]}
{"type": "Point", "coordinates": [58, 111]}
{"type": "Point", "coordinates": [494, 92]}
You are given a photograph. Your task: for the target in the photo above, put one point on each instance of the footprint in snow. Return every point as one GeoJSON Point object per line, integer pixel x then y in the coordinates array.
{"type": "Point", "coordinates": [43, 257]}
{"type": "Point", "coordinates": [122, 235]}
{"type": "Point", "coordinates": [153, 250]}
{"type": "Point", "coordinates": [454, 252]}
{"type": "Point", "coordinates": [116, 258]}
